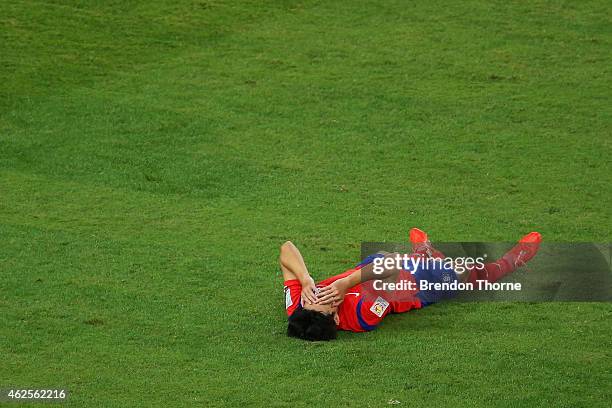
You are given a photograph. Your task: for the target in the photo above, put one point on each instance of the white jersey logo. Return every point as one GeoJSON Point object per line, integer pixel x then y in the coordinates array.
{"type": "Point", "coordinates": [288, 301]}
{"type": "Point", "coordinates": [379, 306]}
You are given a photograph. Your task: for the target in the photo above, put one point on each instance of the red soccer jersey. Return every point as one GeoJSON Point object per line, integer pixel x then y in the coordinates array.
{"type": "Point", "coordinates": [359, 311]}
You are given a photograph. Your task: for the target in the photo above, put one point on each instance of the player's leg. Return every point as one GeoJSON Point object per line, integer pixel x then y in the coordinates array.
{"type": "Point", "coordinates": [493, 271]}
{"type": "Point", "coordinates": [421, 245]}
{"type": "Point", "coordinates": [513, 259]}
{"type": "Point", "coordinates": [518, 256]}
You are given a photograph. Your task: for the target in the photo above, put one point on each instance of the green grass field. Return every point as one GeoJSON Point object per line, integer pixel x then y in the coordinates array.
{"type": "Point", "coordinates": [155, 154]}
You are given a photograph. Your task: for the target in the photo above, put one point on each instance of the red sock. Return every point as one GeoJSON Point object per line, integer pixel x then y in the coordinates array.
{"type": "Point", "coordinates": [427, 250]}
{"type": "Point", "coordinates": [519, 255]}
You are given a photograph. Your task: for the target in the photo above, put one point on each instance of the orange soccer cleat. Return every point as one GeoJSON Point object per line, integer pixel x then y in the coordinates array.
{"type": "Point", "coordinates": [418, 236]}
{"type": "Point", "coordinates": [532, 238]}
{"type": "Point", "coordinates": [421, 244]}
{"type": "Point", "coordinates": [525, 250]}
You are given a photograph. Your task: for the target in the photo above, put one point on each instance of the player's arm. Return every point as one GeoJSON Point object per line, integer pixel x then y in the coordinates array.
{"type": "Point", "coordinates": [293, 267]}
{"type": "Point", "coordinates": [334, 292]}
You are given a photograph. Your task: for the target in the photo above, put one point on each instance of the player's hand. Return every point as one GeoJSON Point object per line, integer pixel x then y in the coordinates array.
{"type": "Point", "coordinates": [309, 291]}
{"type": "Point", "coordinates": [333, 293]}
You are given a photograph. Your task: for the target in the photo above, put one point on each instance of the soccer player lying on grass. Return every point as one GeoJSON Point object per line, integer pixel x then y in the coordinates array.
{"type": "Point", "coordinates": [347, 302]}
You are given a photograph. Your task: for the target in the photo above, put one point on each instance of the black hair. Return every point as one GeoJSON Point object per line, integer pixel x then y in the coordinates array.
{"type": "Point", "coordinates": [311, 325]}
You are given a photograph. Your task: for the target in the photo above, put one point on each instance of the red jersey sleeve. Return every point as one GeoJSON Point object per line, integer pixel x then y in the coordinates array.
{"type": "Point", "coordinates": [370, 312]}
{"type": "Point", "coordinates": [293, 295]}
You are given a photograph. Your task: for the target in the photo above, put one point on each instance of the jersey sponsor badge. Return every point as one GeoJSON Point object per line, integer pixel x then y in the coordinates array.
{"type": "Point", "coordinates": [379, 306]}
{"type": "Point", "coordinates": [288, 301]}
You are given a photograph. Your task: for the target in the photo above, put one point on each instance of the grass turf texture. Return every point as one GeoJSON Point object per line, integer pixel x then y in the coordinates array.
{"type": "Point", "coordinates": [154, 155]}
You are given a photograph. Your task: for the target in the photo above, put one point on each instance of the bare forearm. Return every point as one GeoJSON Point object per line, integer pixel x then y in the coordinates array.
{"type": "Point", "coordinates": [291, 259]}
{"type": "Point", "coordinates": [367, 273]}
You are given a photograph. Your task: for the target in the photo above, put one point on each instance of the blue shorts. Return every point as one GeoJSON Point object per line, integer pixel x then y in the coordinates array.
{"type": "Point", "coordinates": [435, 274]}
{"type": "Point", "coordinates": [369, 260]}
